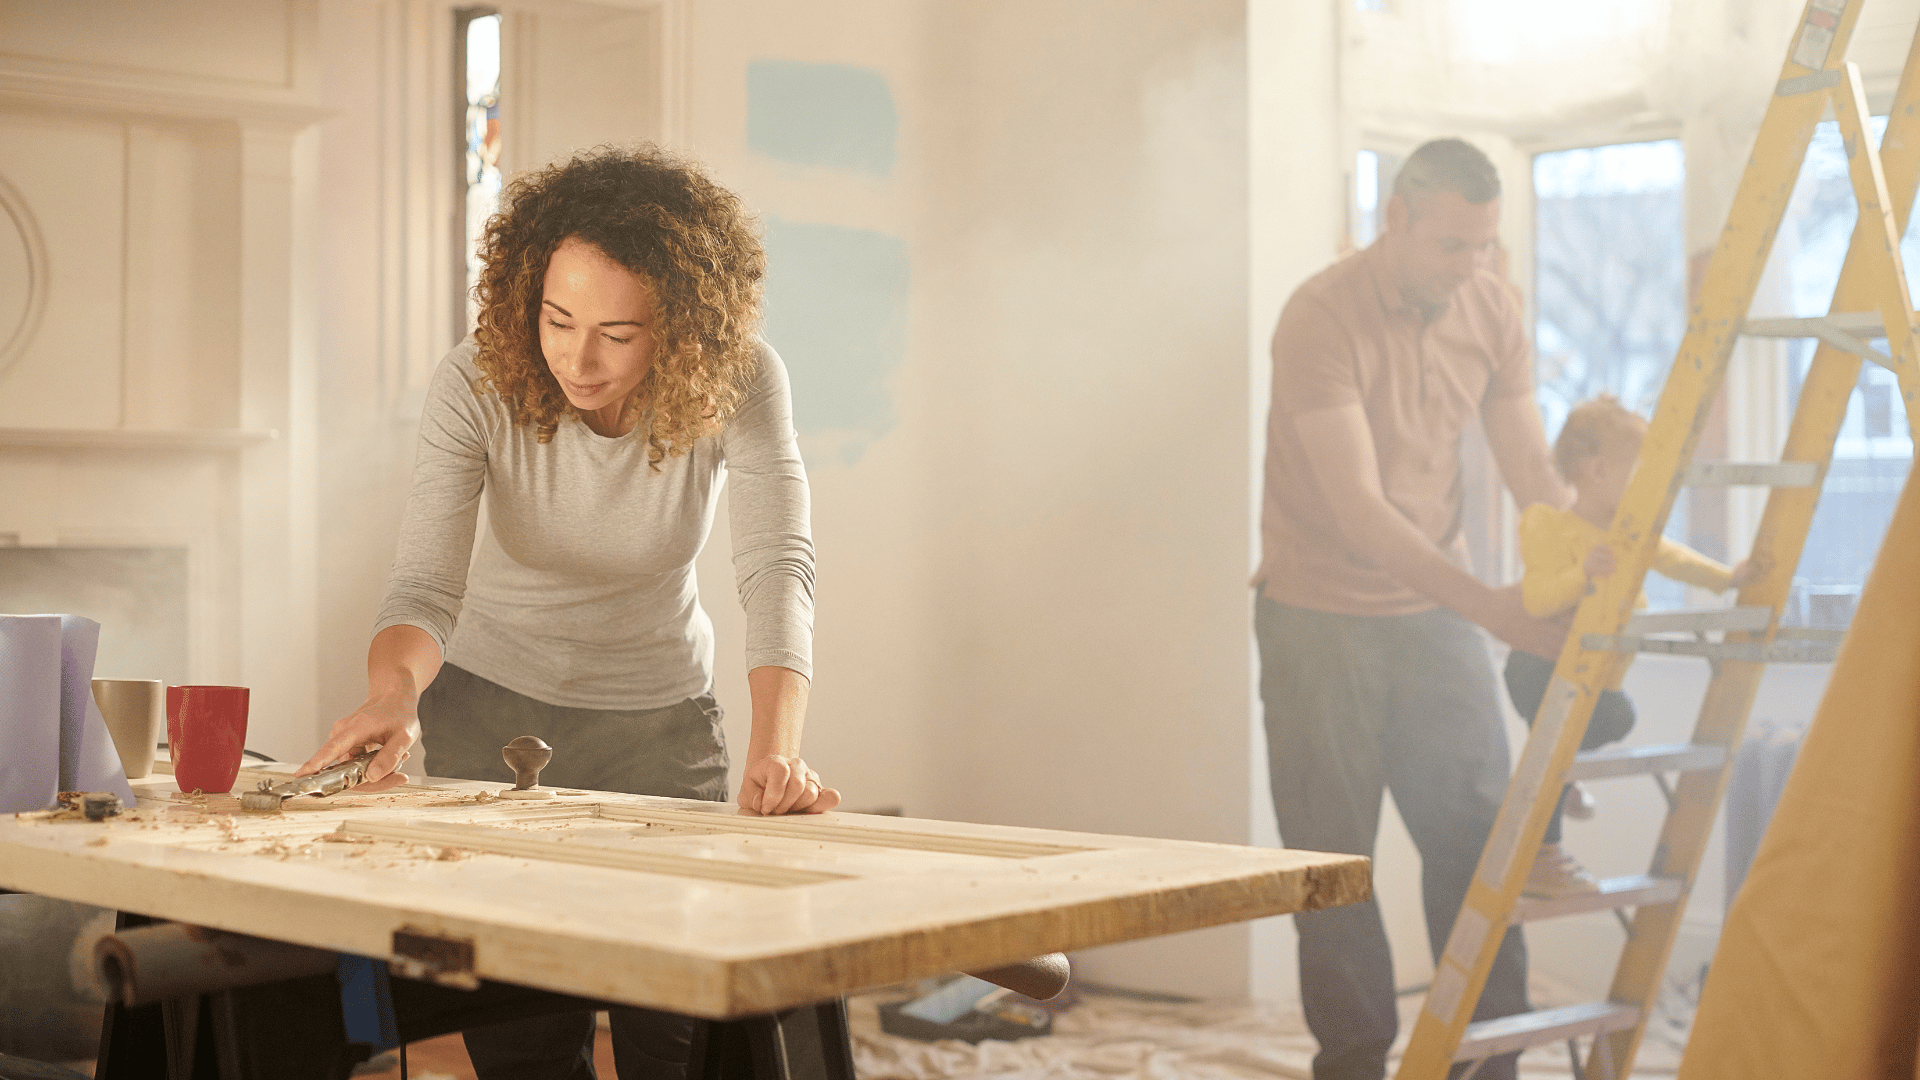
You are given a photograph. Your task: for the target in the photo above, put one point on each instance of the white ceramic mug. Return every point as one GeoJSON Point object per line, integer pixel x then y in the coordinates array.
{"type": "Point", "coordinates": [136, 713]}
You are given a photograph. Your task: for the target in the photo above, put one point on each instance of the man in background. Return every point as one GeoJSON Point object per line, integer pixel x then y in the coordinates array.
{"type": "Point", "coordinates": [1374, 672]}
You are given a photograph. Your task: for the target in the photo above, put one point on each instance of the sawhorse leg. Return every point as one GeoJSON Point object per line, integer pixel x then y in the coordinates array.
{"type": "Point", "coordinates": [294, 1030]}
{"type": "Point", "coordinates": [808, 1043]}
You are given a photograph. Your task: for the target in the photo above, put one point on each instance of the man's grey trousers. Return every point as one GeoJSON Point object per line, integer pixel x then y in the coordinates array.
{"type": "Point", "coordinates": [1357, 705]}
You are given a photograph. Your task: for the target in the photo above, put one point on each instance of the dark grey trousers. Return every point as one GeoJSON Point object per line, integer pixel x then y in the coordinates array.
{"type": "Point", "coordinates": [1357, 705]}
{"type": "Point", "coordinates": [678, 751]}
{"type": "Point", "coordinates": [1527, 677]}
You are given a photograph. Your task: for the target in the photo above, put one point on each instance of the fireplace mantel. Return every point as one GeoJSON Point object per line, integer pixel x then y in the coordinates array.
{"type": "Point", "coordinates": [134, 438]}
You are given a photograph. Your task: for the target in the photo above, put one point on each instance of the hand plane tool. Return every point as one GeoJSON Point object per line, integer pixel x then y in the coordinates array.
{"type": "Point", "coordinates": [328, 781]}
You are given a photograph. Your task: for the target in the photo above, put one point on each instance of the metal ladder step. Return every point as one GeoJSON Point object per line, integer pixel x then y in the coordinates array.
{"type": "Point", "coordinates": [1750, 619]}
{"type": "Point", "coordinates": [1860, 324]}
{"type": "Point", "coordinates": [1753, 474]}
{"type": "Point", "coordinates": [1639, 760]}
{"type": "Point", "coordinates": [1634, 890]}
{"type": "Point", "coordinates": [1850, 332]}
{"type": "Point", "coordinates": [1793, 651]}
{"type": "Point", "coordinates": [1808, 633]}
{"type": "Point", "coordinates": [1486, 1038]}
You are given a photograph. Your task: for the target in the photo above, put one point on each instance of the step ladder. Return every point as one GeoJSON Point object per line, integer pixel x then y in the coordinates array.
{"type": "Point", "coordinates": [1871, 301]}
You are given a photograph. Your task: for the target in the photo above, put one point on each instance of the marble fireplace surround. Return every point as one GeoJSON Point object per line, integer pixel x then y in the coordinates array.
{"type": "Point", "coordinates": [156, 387]}
{"type": "Point", "coordinates": [185, 493]}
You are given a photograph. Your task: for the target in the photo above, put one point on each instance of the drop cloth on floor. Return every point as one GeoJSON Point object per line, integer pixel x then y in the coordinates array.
{"type": "Point", "coordinates": [1109, 1037]}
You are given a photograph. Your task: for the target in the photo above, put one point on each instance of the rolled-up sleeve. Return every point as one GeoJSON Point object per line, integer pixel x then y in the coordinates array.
{"type": "Point", "coordinates": [768, 506]}
{"type": "Point", "coordinates": [429, 576]}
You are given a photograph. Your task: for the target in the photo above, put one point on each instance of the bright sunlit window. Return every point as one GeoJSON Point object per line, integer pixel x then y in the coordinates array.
{"type": "Point", "coordinates": [477, 44]}
{"type": "Point", "coordinates": [1512, 31]}
{"type": "Point", "coordinates": [1874, 452]}
{"type": "Point", "coordinates": [1373, 173]}
{"type": "Point", "coordinates": [1610, 286]}
{"type": "Point", "coordinates": [1610, 272]}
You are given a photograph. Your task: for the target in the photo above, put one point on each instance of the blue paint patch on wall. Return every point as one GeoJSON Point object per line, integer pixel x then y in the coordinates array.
{"type": "Point", "coordinates": [836, 310]}
{"type": "Point", "coordinates": [835, 116]}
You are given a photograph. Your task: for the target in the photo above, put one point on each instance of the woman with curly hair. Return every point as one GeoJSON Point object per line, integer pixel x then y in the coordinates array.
{"type": "Point", "coordinates": [615, 381]}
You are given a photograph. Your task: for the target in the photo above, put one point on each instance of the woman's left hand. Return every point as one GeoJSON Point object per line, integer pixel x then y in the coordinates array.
{"type": "Point", "coordinates": [776, 784]}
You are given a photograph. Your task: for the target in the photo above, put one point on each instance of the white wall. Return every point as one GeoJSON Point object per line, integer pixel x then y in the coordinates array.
{"type": "Point", "coordinates": [1032, 586]}
{"type": "Point", "coordinates": [1032, 567]}
{"type": "Point", "coordinates": [379, 331]}
{"type": "Point", "coordinates": [1298, 157]}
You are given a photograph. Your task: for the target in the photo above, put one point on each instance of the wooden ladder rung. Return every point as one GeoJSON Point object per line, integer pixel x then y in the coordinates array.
{"type": "Point", "coordinates": [1779, 474]}
{"type": "Point", "coordinates": [1749, 619]}
{"type": "Point", "coordinates": [1634, 890]}
{"type": "Point", "coordinates": [1486, 1038]}
{"type": "Point", "coordinates": [1638, 760]}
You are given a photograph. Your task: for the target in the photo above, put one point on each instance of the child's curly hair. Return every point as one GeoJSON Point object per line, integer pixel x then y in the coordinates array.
{"type": "Point", "coordinates": [1592, 428]}
{"type": "Point", "coordinates": [660, 216]}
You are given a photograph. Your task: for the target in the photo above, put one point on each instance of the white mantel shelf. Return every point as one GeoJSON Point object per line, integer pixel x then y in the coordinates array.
{"type": "Point", "coordinates": [77, 86]}
{"type": "Point", "coordinates": [133, 439]}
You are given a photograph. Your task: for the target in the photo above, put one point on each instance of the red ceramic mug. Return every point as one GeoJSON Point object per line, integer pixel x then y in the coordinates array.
{"type": "Point", "coordinates": [207, 735]}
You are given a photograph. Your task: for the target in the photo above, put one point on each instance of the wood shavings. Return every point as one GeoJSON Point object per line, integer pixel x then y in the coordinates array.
{"type": "Point", "coordinates": [485, 796]}
{"type": "Point", "coordinates": [98, 841]}
{"type": "Point", "coordinates": [286, 849]}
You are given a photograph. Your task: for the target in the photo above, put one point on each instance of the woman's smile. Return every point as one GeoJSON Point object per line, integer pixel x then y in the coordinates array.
{"type": "Point", "coordinates": [594, 333]}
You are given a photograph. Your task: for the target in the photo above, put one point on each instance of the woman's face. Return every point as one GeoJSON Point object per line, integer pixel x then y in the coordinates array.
{"type": "Point", "coordinates": [596, 331]}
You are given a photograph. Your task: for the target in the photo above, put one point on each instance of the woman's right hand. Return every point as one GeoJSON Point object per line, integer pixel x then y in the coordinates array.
{"type": "Point", "coordinates": [391, 722]}
{"type": "Point", "coordinates": [777, 784]}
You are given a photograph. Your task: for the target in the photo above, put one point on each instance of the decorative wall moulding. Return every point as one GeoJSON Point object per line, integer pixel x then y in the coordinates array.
{"type": "Point", "coordinates": [73, 87]}
{"type": "Point", "coordinates": [133, 439]}
{"type": "Point", "coordinates": [23, 275]}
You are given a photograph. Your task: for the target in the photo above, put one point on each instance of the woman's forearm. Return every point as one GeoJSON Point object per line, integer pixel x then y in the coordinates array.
{"type": "Point", "coordinates": [779, 712]}
{"type": "Point", "coordinates": [401, 661]}
{"type": "Point", "coordinates": [776, 780]}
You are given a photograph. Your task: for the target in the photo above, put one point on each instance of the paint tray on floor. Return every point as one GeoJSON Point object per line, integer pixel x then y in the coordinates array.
{"type": "Point", "coordinates": [967, 1009]}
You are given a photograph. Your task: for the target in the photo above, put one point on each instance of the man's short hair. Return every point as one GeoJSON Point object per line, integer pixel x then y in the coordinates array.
{"type": "Point", "coordinates": [1593, 427]}
{"type": "Point", "coordinates": [1447, 165]}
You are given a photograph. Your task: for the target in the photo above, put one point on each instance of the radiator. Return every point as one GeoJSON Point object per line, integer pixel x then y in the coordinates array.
{"type": "Point", "coordinates": [1759, 775]}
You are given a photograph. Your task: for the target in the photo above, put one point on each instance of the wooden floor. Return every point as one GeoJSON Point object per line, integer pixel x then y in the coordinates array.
{"type": "Point", "coordinates": [444, 1058]}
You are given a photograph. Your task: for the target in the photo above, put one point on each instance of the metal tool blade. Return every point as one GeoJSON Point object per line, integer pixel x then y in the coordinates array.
{"type": "Point", "coordinates": [328, 781]}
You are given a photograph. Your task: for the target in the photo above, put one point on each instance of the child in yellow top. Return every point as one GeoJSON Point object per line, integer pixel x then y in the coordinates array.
{"type": "Point", "coordinates": [1565, 552]}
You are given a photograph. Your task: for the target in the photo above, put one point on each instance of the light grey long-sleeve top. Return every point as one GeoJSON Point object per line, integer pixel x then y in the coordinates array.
{"type": "Point", "coordinates": [582, 593]}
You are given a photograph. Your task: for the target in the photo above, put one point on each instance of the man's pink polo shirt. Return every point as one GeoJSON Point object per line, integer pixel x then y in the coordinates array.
{"type": "Point", "coordinates": [1348, 336]}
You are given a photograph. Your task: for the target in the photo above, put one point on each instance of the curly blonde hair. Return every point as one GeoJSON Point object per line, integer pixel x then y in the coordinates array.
{"type": "Point", "coordinates": [1593, 427]}
{"type": "Point", "coordinates": [660, 216]}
